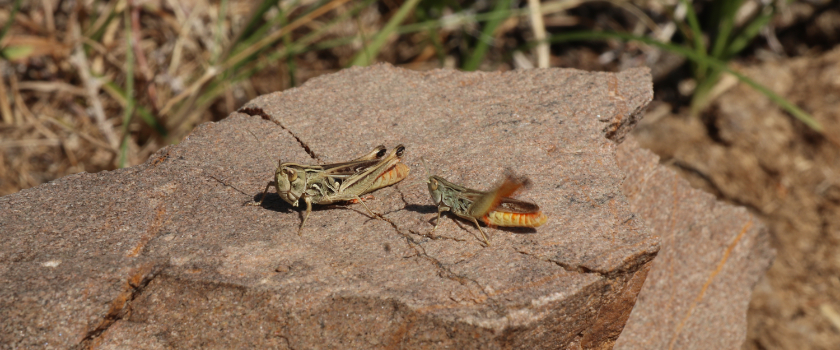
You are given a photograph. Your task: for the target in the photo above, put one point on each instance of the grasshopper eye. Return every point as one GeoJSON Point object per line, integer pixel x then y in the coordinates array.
{"type": "Point", "coordinates": [381, 152]}
{"type": "Point", "coordinates": [291, 174]}
{"type": "Point", "coordinates": [433, 184]}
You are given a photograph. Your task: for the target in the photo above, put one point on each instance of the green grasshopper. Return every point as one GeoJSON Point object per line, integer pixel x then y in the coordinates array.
{"type": "Point", "coordinates": [330, 183]}
{"type": "Point", "coordinates": [493, 207]}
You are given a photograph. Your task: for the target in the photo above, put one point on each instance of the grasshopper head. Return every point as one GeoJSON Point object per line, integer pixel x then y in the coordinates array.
{"type": "Point", "coordinates": [435, 189]}
{"type": "Point", "coordinates": [290, 182]}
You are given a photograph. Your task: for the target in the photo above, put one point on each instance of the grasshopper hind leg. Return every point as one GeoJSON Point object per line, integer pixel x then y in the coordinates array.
{"type": "Point", "coordinates": [480, 230]}
{"type": "Point", "coordinates": [441, 209]}
{"type": "Point", "coordinates": [359, 200]}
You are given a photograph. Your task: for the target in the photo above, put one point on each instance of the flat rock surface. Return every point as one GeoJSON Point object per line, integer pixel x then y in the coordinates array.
{"type": "Point", "coordinates": [713, 253]}
{"type": "Point", "coordinates": [165, 254]}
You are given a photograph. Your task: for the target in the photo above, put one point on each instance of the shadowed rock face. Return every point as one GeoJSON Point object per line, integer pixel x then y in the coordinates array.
{"type": "Point", "coordinates": [165, 254]}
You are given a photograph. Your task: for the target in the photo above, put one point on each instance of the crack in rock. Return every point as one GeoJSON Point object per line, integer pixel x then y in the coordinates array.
{"type": "Point", "coordinates": [258, 112]}
{"type": "Point", "coordinates": [446, 272]}
{"type": "Point", "coordinates": [121, 305]}
{"type": "Point", "coordinates": [578, 269]}
{"type": "Point", "coordinates": [566, 266]}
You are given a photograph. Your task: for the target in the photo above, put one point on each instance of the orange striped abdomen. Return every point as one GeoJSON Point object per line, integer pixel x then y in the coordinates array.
{"type": "Point", "coordinates": [397, 172]}
{"type": "Point", "coordinates": [509, 219]}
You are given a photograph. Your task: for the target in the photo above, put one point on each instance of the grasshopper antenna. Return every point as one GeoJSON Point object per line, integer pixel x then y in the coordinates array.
{"type": "Point", "coordinates": [426, 166]}
{"type": "Point", "coordinates": [262, 147]}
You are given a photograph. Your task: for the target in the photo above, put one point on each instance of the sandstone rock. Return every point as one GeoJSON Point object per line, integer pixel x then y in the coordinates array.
{"type": "Point", "coordinates": [699, 287]}
{"type": "Point", "coordinates": [165, 254]}
{"type": "Point", "coordinates": [749, 151]}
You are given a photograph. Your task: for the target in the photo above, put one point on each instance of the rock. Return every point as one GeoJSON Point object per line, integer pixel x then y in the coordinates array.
{"type": "Point", "coordinates": [747, 150]}
{"type": "Point", "coordinates": [165, 254]}
{"type": "Point", "coordinates": [699, 288]}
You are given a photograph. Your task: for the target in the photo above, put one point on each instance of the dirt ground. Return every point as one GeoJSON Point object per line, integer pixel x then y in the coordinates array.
{"type": "Point", "coordinates": [749, 152]}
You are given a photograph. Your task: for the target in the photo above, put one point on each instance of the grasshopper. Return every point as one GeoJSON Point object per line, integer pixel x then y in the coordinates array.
{"type": "Point", "coordinates": [493, 207]}
{"type": "Point", "coordinates": [330, 183]}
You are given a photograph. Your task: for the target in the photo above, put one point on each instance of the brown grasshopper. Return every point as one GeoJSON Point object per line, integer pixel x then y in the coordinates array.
{"type": "Point", "coordinates": [493, 207]}
{"type": "Point", "coordinates": [330, 183]}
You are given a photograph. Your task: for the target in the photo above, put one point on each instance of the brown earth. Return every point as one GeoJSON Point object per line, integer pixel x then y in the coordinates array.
{"type": "Point", "coordinates": [749, 152]}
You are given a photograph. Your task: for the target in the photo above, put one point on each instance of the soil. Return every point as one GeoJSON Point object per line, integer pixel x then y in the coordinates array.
{"type": "Point", "coordinates": [749, 152]}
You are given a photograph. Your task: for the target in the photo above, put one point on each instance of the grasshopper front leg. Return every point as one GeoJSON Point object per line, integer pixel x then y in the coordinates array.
{"type": "Point", "coordinates": [308, 201]}
{"type": "Point", "coordinates": [265, 192]}
{"type": "Point", "coordinates": [441, 208]}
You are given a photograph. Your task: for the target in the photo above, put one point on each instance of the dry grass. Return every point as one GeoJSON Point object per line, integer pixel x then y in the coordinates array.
{"type": "Point", "coordinates": [67, 104]}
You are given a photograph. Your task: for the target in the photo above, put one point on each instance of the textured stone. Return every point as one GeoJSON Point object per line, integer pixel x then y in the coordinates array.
{"type": "Point", "coordinates": [165, 254]}
{"type": "Point", "coordinates": [699, 287]}
{"type": "Point", "coordinates": [750, 151]}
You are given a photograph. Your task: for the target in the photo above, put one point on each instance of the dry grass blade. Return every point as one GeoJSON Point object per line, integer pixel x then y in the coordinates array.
{"type": "Point", "coordinates": [92, 85]}
{"type": "Point", "coordinates": [29, 143]}
{"type": "Point", "coordinates": [538, 27]}
{"type": "Point", "coordinates": [52, 86]}
{"type": "Point", "coordinates": [277, 35]}
{"type": "Point", "coordinates": [208, 75]}
{"type": "Point", "coordinates": [5, 108]}
{"type": "Point", "coordinates": [241, 56]}
{"type": "Point", "coordinates": [94, 141]}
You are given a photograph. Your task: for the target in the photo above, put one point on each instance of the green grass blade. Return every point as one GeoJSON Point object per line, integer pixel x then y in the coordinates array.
{"type": "Point", "coordinates": [797, 113]}
{"type": "Point", "coordinates": [145, 114]}
{"type": "Point", "coordinates": [254, 24]}
{"type": "Point", "coordinates": [482, 45]}
{"type": "Point", "coordinates": [220, 21]}
{"type": "Point", "coordinates": [697, 36]}
{"type": "Point", "coordinates": [247, 53]}
{"type": "Point", "coordinates": [16, 52]}
{"type": "Point", "coordinates": [290, 57]}
{"type": "Point", "coordinates": [15, 8]}
{"type": "Point", "coordinates": [724, 18]}
{"type": "Point", "coordinates": [699, 98]}
{"type": "Point", "coordinates": [129, 88]}
{"type": "Point", "coordinates": [245, 40]}
{"type": "Point", "coordinates": [749, 32]}
{"type": "Point", "coordinates": [100, 22]}
{"type": "Point", "coordinates": [369, 53]}
{"type": "Point", "coordinates": [365, 48]}
{"type": "Point", "coordinates": [302, 45]}
{"type": "Point", "coordinates": [463, 19]}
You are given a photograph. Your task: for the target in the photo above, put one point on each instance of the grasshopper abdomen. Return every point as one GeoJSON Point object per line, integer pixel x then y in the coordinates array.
{"type": "Point", "coordinates": [508, 219]}
{"type": "Point", "coordinates": [390, 177]}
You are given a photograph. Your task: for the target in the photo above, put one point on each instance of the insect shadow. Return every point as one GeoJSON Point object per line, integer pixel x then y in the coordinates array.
{"type": "Point", "coordinates": [422, 209]}
{"type": "Point", "coordinates": [518, 230]}
{"type": "Point", "coordinates": [273, 202]}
